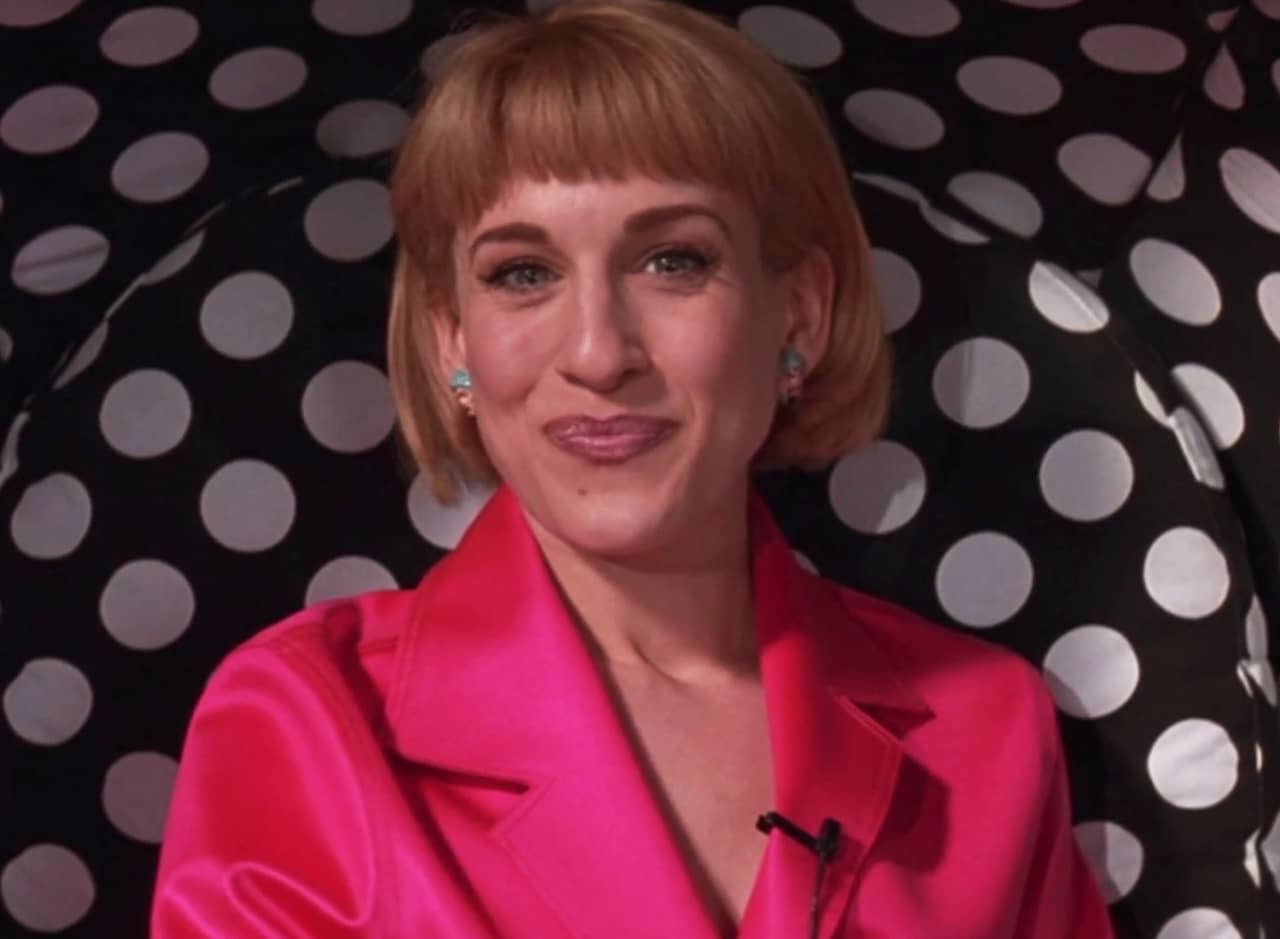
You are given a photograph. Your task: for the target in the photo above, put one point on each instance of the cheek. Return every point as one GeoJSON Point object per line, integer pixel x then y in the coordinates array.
{"type": "Point", "coordinates": [504, 358]}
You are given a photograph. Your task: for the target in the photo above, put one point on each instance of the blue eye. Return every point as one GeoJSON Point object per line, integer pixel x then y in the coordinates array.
{"type": "Point", "coordinates": [699, 261]}
{"type": "Point", "coordinates": [501, 277]}
{"type": "Point", "coordinates": [521, 276]}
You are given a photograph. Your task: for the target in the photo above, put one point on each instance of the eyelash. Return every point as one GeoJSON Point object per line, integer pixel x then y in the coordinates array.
{"type": "Point", "coordinates": [702, 263]}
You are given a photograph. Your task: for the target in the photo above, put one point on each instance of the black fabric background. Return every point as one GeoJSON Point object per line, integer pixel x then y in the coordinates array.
{"type": "Point", "coordinates": [1222, 857]}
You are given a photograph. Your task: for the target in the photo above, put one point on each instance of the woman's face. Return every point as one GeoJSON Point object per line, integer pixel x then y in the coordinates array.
{"type": "Point", "coordinates": [642, 301]}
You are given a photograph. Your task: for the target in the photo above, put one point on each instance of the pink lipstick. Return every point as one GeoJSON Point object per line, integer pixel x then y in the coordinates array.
{"type": "Point", "coordinates": [613, 440]}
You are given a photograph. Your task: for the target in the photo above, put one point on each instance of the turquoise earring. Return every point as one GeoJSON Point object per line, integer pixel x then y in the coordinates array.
{"type": "Point", "coordinates": [791, 364]}
{"type": "Point", "coordinates": [461, 385]}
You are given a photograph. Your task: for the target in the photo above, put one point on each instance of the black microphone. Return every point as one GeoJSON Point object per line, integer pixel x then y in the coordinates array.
{"type": "Point", "coordinates": [824, 845]}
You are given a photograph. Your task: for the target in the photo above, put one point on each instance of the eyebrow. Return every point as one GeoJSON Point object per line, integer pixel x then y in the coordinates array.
{"type": "Point", "coordinates": [639, 222]}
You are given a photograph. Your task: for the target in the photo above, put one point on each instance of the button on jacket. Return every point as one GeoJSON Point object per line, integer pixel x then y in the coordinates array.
{"type": "Point", "coordinates": [446, 762]}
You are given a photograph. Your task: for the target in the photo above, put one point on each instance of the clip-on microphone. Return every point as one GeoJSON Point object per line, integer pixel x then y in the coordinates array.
{"type": "Point", "coordinates": [823, 845]}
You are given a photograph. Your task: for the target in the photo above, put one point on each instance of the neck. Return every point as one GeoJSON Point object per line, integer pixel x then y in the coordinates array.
{"type": "Point", "coordinates": [690, 620]}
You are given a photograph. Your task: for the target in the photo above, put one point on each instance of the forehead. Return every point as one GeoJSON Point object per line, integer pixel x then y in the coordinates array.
{"type": "Point", "coordinates": [600, 201]}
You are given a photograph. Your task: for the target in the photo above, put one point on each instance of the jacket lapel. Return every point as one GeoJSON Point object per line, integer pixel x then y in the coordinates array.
{"type": "Point", "coordinates": [493, 679]}
{"type": "Point", "coordinates": [823, 676]}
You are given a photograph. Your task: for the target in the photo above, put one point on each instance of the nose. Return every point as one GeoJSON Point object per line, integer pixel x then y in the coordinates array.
{"type": "Point", "coordinates": [602, 344]}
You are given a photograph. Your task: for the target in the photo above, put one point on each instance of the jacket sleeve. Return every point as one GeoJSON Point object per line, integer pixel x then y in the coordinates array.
{"type": "Point", "coordinates": [1061, 899]}
{"type": "Point", "coordinates": [268, 836]}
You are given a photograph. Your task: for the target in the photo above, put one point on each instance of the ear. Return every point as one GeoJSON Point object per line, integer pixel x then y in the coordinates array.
{"type": "Point", "coordinates": [811, 293]}
{"type": "Point", "coordinates": [451, 343]}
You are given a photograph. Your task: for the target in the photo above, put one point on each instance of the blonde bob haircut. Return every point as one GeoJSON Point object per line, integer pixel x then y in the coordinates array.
{"type": "Point", "coordinates": [616, 88]}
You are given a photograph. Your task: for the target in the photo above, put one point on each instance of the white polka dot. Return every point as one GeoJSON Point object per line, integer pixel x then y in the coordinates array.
{"type": "Point", "coordinates": [1114, 855]}
{"type": "Point", "coordinates": [1259, 664]}
{"type": "Point", "coordinates": [1064, 300]}
{"type": "Point", "coordinates": [149, 36]}
{"type": "Point", "coordinates": [147, 604]}
{"type": "Point", "coordinates": [918, 18]}
{"type": "Point", "coordinates": [350, 220]}
{"type": "Point", "coordinates": [894, 118]}
{"type": "Point", "coordinates": [1170, 178]}
{"type": "Point", "coordinates": [258, 78]}
{"type": "Point", "coordinates": [984, 579]}
{"type": "Point", "coordinates": [159, 167]}
{"type": "Point", "coordinates": [898, 286]}
{"type": "Point", "coordinates": [434, 55]}
{"type": "Point", "coordinates": [877, 488]}
{"type": "Point", "coordinates": [804, 561]}
{"type": "Point", "coordinates": [1251, 859]}
{"type": "Point", "coordinates": [360, 17]}
{"type": "Point", "coordinates": [1128, 47]}
{"type": "Point", "coordinates": [1271, 849]}
{"type": "Point", "coordinates": [1175, 281]}
{"type": "Point", "coordinates": [1196, 449]}
{"type": "Point", "coordinates": [1215, 400]}
{"type": "Point", "coordinates": [248, 505]}
{"type": "Point", "coordinates": [1200, 922]}
{"type": "Point", "coordinates": [52, 517]}
{"type": "Point", "coordinates": [1253, 185]}
{"type": "Point", "coordinates": [136, 793]}
{"type": "Point", "coordinates": [1091, 670]}
{"type": "Point", "coordinates": [145, 413]}
{"type": "Point", "coordinates": [47, 888]}
{"type": "Point", "coordinates": [951, 227]}
{"type": "Point", "coordinates": [174, 261]}
{"type": "Point", "coordinates": [1086, 475]}
{"type": "Point", "coordinates": [361, 128]}
{"type": "Point", "coordinates": [1104, 167]}
{"type": "Point", "coordinates": [48, 702]}
{"type": "Point", "coordinates": [1269, 8]}
{"type": "Point", "coordinates": [981, 382]}
{"type": "Point", "coordinates": [443, 525]}
{"type": "Point", "coordinates": [346, 577]}
{"type": "Point", "coordinates": [1185, 573]}
{"type": "Point", "coordinates": [897, 187]}
{"type": "Point", "coordinates": [791, 36]}
{"type": "Point", "coordinates": [1222, 82]}
{"type": "Point", "coordinates": [85, 355]}
{"type": "Point", "coordinates": [1009, 85]}
{"type": "Point", "coordinates": [1148, 399]}
{"type": "Point", "coordinates": [60, 260]}
{"type": "Point", "coordinates": [942, 223]}
{"type": "Point", "coordinates": [347, 407]}
{"type": "Point", "coordinates": [1269, 302]}
{"type": "Point", "coordinates": [48, 119]}
{"type": "Point", "coordinates": [9, 450]}
{"type": "Point", "coordinates": [34, 12]}
{"type": "Point", "coordinates": [247, 315]}
{"type": "Point", "coordinates": [1193, 764]}
{"type": "Point", "coordinates": [999, 199]}
{"type": "Point", "coordinates": [6, 345]}
{"type": "Point", "coordinates": [1221, 19]}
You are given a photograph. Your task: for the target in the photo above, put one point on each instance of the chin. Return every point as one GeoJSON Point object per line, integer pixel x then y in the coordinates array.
{"type": "Point", "coordinates": [615, 524]}
{"type": "Point", "coordinates": [627, 519]}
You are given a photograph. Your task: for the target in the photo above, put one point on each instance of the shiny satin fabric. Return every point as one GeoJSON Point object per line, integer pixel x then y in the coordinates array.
{"type": "Point", "coordinates": [446, 762]}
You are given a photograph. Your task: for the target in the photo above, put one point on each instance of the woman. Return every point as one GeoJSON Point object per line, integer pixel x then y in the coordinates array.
{"type": "Point", "coordinates": [630, 273]}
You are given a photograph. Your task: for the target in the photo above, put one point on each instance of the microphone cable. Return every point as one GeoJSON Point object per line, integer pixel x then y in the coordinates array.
{"type": "Point", "coordinates": [824, 845]}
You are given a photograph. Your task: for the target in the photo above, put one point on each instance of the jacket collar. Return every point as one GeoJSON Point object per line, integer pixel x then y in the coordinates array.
{"type": "Point", "coordinates": [492, 678]}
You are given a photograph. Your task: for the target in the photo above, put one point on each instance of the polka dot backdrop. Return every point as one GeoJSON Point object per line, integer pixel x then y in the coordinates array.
{"type": "Point", "coordinates": [1075, 212]}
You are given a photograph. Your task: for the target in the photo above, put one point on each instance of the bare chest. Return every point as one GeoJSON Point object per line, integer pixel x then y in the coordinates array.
{"type": "Point", "coordinates": [708, 758]}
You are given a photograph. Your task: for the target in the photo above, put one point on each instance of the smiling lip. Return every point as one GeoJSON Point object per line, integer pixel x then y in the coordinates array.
{"type": "Point", "coordinates": [608, 441]}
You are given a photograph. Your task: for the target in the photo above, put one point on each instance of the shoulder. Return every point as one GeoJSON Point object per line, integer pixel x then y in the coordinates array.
{"type": "Point", "coordinates": [336, 655]}
{"type": "Point", "coordinates": [962, 676]}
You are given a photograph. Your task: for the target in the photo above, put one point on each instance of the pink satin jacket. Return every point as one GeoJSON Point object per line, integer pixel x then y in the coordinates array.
{"type": "Point", "coordinates": [446, 762]}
